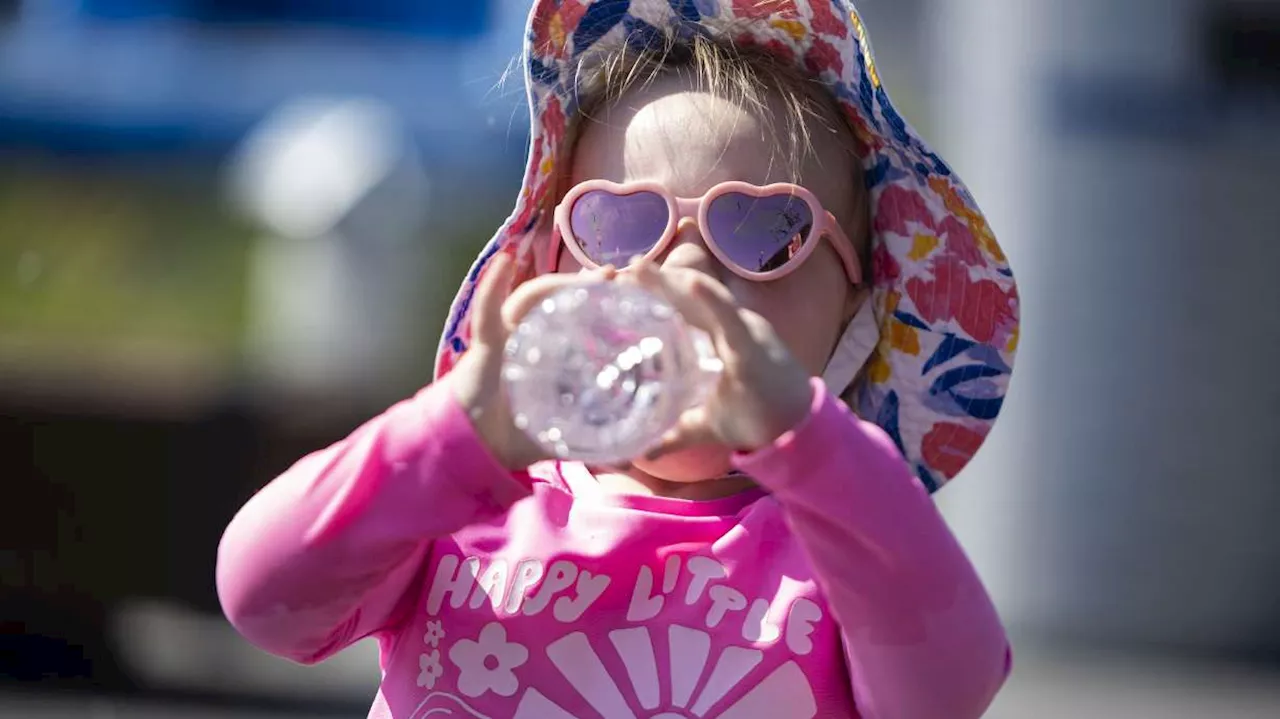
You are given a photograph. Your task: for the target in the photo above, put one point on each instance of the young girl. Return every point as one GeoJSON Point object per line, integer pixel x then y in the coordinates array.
{"type": "Point", "coordinates": [775, 556]}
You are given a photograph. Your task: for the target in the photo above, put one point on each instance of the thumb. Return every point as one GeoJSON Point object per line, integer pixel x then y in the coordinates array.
{"type": "Point", "coordinates": [492, 291]}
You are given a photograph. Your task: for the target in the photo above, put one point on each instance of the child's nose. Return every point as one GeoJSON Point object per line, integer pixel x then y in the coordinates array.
{"type": "Point", "coordinates": [689, 250]}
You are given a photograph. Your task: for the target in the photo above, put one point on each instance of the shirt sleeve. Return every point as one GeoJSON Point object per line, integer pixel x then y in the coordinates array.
{"type": "Point", "coordinates": [922, 637]}
{"type": "Point", "coordinates": [324, 555]}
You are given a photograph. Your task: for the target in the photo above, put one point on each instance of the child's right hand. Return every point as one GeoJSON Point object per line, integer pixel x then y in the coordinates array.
{"type": "Point", "coordinates": [476, 380]}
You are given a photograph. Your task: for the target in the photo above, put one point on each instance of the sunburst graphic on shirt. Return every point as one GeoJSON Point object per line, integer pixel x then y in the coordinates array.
{"type": "Point", "coordinates": [689, 658]}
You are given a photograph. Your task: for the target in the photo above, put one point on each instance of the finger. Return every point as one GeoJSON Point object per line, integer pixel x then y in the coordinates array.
{"type": "Point", "coordinates": [701, 299]}
{"type": "Point", "coordinates": [692, 430]}
{"type": "Point", "coordinates": [491, 293]}
{"type": "Point", "coordinates": [723, 307]}
{"type": "Point", "coordinates": [529, 294]}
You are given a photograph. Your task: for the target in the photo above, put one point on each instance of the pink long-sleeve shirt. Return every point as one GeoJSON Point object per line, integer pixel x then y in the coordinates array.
{"type": "Point", "coordinates": [836, 590]}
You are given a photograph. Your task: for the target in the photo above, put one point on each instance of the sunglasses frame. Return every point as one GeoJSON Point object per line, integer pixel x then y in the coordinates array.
{"type": "Point", "coordinates": [695, 208]}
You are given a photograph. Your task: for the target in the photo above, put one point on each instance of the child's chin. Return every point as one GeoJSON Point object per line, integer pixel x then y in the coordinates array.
{"type": "Point", "coordinates": [695, 464]}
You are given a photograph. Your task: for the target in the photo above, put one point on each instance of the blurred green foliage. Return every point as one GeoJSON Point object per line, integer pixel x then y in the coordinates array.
{"type": "Point", "coordinates": [128, 256]}
{"type": "Point", "coordinates": [93, 254]}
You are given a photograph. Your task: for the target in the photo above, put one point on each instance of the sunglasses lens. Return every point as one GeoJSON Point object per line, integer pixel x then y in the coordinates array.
{"type": "Point", "coordinates": [611, 229]}
{"type": "Point", "coordinates": [760, 234]}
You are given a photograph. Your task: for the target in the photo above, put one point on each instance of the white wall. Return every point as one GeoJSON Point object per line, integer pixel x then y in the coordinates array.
{"type": "Point", "coordinates": [1128, 492]}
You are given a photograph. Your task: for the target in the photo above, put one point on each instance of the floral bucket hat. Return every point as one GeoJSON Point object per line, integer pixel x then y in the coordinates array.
{"type": "Point", "coordinates": [936, 341]}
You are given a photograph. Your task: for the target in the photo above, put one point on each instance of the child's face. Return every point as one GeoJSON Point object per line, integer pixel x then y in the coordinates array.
{"type": "Point", "coordinates": [690, 140]}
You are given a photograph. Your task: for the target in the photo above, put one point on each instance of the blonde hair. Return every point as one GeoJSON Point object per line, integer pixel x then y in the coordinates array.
{"type": "Point", "coordinates": [747, 75]}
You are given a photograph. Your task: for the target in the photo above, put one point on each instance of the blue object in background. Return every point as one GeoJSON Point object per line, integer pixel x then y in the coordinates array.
{"type": "Point", "coordinates": [132, 9]}
{"type": "Point", "coordinates": [192, 76]}
{"type": "Point", "coordinates": [450, 19]}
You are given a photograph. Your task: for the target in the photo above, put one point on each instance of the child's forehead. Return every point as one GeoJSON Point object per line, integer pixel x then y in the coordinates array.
{"type": "Point", "coordinates": [668, 136]}
{"type": "Point", "coordinates": [675, 132]}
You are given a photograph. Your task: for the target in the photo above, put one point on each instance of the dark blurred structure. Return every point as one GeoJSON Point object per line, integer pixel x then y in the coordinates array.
{"type": "Point", "coordinates": [1244, 46]}
{"type": "Point", "coordinates": [135, 413]}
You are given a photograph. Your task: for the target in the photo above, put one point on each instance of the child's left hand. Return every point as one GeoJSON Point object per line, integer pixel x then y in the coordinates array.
{"type": "Point", "coordinates": [763, 391]}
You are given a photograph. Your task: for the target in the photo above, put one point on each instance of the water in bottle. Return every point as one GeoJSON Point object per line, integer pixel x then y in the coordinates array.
{"type": "Point", "coordinates": [598, 372]}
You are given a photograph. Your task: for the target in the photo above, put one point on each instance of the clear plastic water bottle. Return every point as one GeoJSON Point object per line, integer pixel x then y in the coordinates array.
{"type": "Point", "coordinates": [598, 372]}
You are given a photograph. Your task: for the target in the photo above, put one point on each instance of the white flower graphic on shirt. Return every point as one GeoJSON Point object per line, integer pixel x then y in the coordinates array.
{"type": "Point", "coordinates": [438, 705]}
{"type": "Point", "coordinates": [431, 669]}
{"type": "Point", "coordinates": [487, 664]}
{"type": "Point", "coordinates": [435, 632]}
{"type": "Point", "coordinates": [785, 689]}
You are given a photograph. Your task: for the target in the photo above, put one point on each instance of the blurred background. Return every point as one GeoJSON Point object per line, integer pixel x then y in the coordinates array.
{"type": "Point", "coordinates": [229, 232]}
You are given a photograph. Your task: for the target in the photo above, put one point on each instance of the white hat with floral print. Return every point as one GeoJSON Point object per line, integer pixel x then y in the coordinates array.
{"type": "Point", "coordinates": [935, 347]}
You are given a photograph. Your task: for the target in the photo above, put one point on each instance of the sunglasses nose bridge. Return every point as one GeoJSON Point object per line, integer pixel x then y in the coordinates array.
{"type": "Point", "coordinates": [687, 247]}
{"type": "Point", "coordinates": [686, 210]}
{"type": "Point", "coordinates": [686, 233]}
